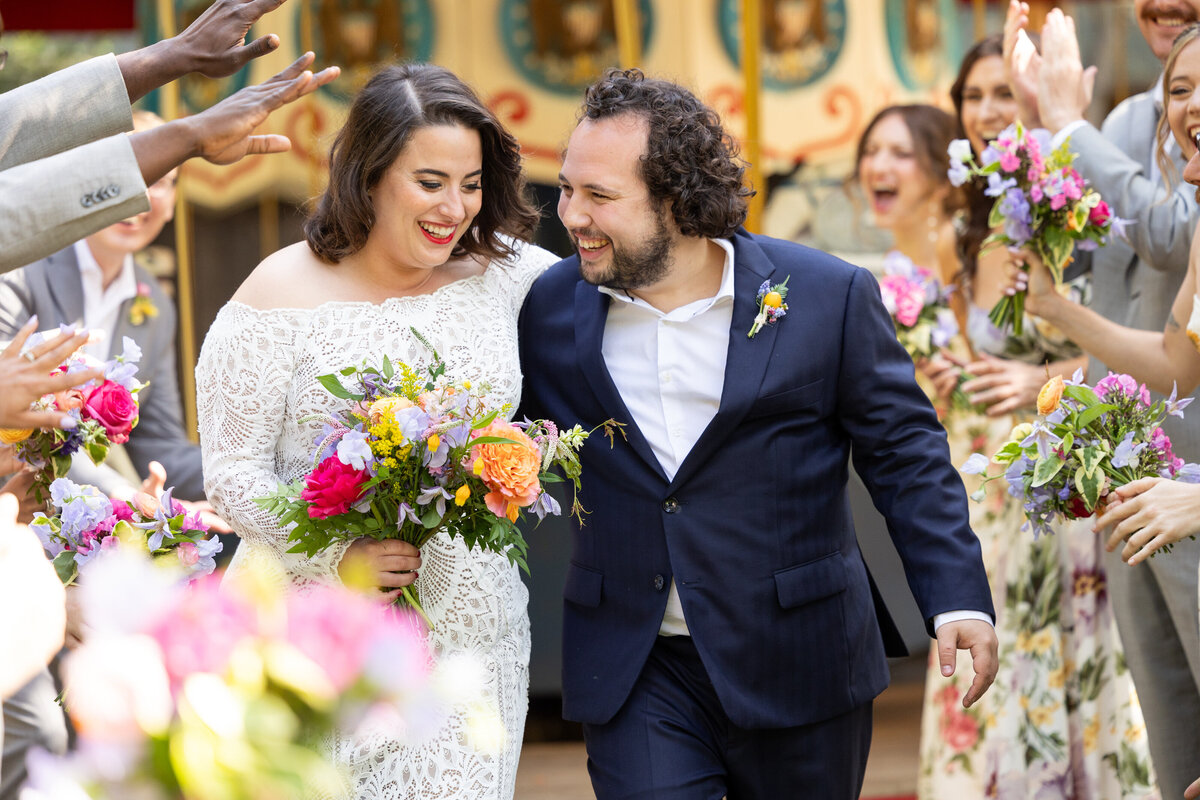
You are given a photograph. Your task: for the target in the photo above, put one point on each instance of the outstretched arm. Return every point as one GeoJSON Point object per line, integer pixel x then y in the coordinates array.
{"type": "Point", "coordinates": [1161, 360]}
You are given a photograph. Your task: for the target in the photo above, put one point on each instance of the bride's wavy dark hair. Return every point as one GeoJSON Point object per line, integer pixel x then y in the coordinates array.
{"type": "Point", "coordinates": [394, 104]}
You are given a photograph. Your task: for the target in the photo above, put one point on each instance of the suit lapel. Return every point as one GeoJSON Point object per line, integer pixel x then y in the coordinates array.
{"type": "Point", "coordinates": [591, 312]}
{"type": "Point", "coordinates": [65, 287]}
{"type": "Point", "coordinates": [747, 359]}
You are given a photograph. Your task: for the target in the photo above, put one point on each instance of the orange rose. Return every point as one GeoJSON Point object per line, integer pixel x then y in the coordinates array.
{"type": "Point", "coordinates": [68, 399]}
{"type": "Point", "coordinates": [387, 407]}
{"type": "Point", "coordinates": [510, 471]}
{"type": "Point", "coordinates": [1050, 395]}
{"type": "Point", "coordinates": [14, 435]}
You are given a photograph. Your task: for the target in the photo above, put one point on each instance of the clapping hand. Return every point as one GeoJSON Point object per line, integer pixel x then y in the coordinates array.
{"type": "Point", "coordinates": [1064, 86]}
{"type": "Point", "coordinates": [215, 44]}
{"type": "Point", "coordinates": [27, 377]}
{"type": "Point", "coordinates": [1023, 63]}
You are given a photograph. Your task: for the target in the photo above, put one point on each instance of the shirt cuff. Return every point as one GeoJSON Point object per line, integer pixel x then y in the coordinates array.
{"type": "Point", "coordinates": [1066, 131]}
{"type": "Point", "coordinates": [957, 616]}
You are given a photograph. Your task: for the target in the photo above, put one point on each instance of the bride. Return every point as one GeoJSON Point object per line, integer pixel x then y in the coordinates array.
{"type": "Point", "coordinates": [423, 225]}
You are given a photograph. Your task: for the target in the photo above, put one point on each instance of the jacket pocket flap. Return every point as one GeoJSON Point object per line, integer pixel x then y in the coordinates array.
{"type": "Point", "coordinates": [814, 580]}
{"type": "Point", "coordinates": [583, 585]}
{"type": "Point", "coordinates": [789, 400]}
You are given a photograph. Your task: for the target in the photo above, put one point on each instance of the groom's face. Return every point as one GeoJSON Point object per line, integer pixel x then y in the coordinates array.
{"type": "Point", "coordinates": [1160, 21]}
{"type": "Point", "coordinates": [623, 237]}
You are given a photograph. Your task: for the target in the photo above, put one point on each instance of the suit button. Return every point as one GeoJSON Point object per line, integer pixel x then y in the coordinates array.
{"type": "Point", "coordinates": [670, 505]}
{"type": "Point", "coordinates": [659, 582]}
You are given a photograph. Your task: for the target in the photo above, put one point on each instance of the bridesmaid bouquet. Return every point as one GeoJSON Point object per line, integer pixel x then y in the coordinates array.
{"type": "Point", "coordinates": [1041, 203]}
{"type": "Point", "coordinates": [920, 309]}
{"type": "Point", "coordinates": [211, 692]}
{"type": "Point", "coordinates": [106, 411]}
{"type": "Point", "coordinates": [85, 523]}
{"type": "Point", "coordinates": [1084, 442]}
{"type": "Point", "coordinates": [416, 453]}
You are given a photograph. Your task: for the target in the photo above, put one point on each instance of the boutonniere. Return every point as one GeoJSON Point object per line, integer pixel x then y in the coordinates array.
{"type": "Point", "coordinates": [770, 305]}
{"type": "Point", "coordinates": [143, 307]}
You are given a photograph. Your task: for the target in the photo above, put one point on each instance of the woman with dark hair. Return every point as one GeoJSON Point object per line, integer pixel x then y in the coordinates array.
{"type": "Point", "coordinates": [423, 226]}
{"type": "Point", "coordinates": [1062, 719]}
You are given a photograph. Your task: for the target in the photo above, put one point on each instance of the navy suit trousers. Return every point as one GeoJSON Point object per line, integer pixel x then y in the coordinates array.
{"type": "Point", "coordinates": [671, 740]}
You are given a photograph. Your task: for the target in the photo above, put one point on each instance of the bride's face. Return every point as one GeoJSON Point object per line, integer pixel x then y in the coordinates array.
{"type": "Point", "coordinates": [429, 196]}
{"type": "Point", "coordinates": [1183, 98]}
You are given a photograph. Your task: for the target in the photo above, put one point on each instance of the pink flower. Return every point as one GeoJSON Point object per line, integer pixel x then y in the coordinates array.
{"type": "Point", "coordinates": [332, 488]}
{"type": "Point", "coordinates": [334, 627]}
{"type": "Point", "coordinates": [1009, 161]}
{"type": "Point", "coordinates": [1035, 193]}
{"type": "Point", "coordinates": [201, 632]}
{"type": "Point", "coordinates": [113, 406]}
{"type": "Point", "coordinates": [1058, 201]}
{"type": "Point", "coordinates": [960, 731]}
{"type": "Point", "coordinates": [188, 554]}
{"type": "Point", "coordinates": [1100, 214]}
{"type": "Point", "coordinates": [121, 510]}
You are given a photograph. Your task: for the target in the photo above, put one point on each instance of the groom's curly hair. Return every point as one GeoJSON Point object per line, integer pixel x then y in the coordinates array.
{"type": "Point", "coordinates": [691, 164]}
{"type": "Point", "coordinates": [396, 102]}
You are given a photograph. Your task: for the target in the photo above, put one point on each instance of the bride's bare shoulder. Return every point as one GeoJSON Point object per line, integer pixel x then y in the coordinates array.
{"type": "Point", "coordinates": [292, 277]}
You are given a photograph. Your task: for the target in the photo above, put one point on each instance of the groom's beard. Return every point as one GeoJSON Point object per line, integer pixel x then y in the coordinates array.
{"type": "Point", "coordinates": [634, 269]}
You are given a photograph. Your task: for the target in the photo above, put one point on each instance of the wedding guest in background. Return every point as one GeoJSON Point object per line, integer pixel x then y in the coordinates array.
{"type": "Point", "coordinates": [1135, 281]}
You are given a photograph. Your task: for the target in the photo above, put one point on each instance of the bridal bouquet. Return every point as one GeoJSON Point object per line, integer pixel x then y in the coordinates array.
{"type": "Point", "coordinates": [211, 692]}
{"type": "Point", "coordinates": [1041, 203]}
{"type": "Point", "coordinates": [106, 411]}
{"type": "Point", "coordinates": [86, 523]}
{"type": "Point", "coordinates": [1084, 442]}
{"type": "Point", "coordinates": [416, 452]}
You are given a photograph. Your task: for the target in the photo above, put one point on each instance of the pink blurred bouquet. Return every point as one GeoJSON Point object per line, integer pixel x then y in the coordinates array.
{"type": "Point", "coordinates": [1041, 203]}
{"type": "Point", "coordinates": [1084, 442]}
{"type": "Point", "coordinates": [919, 305]}
{"type": "Point", "coordinates": [105, 412]}
{"type": "Point", "coordinates": [205, 692]}
{"type": "Point", "coordinates": [86, 523]}
{"type": "Point", "coordinates": [416, 453]}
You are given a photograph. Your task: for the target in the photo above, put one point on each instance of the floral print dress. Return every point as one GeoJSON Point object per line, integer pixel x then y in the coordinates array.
{"type": "Point", "coordinates": [1062, 721]}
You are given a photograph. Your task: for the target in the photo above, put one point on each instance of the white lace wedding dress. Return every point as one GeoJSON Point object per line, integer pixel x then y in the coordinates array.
{"type": "Point", "coordinates": [257, 378]}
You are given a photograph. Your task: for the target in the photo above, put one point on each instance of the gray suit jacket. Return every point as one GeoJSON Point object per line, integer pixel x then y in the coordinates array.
{"type": "Point", "coordinates": [1135, 282]}
{"type": "Point", "coordinates": [66, 168]}
{"type": "Point", "coordinates": [52, 289]}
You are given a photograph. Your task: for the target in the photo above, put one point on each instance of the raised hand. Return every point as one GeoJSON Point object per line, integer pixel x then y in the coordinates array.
{"type": "Point", "coordinates": [1064, 86]}
{"type": "Point", "coordinates": [224, 132]}
{"type": "Point", "coordinates": [1023, 63]}
{"type": "Point", "coordinates": [27, 377]}
{"type": "Point", "coordinates": [979, 638]}
{"type": "Point", "coordinates": [215, 44]}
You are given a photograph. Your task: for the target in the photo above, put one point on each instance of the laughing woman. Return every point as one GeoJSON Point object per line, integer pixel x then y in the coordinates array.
{"type": "Point", "coordinates": [1061, 721]}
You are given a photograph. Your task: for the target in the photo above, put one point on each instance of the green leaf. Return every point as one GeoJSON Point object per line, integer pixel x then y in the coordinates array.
{"type": "Point", "coordinates": [61, 465]}
{"type": "Point", "coordinates": [484, 421]}
{"type": "Point", "coordinates": [492, 440]}
{"type": "Point", "coordinates": [1056, 246]}
{"type": "Point", "coordinates": [1089, 486]}
{"type": "Point", "coordinates": [1090, 458]}
{"type": "Point", "coordinates": [65, 566]}
{"type": "Point", "coordinates": [388, 370]}
{"type": "Point", "coordinates": [334, 387]}
{"type": "Point", "coordinates": [1082, 394]}
{"type": "Point", "coordinates": [1046, 469]}
{"type": "Point", "coordinates": [97, 452]}
{"type": "Point", "coordinates": [430, 519]}
{"type": "Point", "coordinates": [1068, 439]}
{"type": "Point", "coordinates": [1088, 416]}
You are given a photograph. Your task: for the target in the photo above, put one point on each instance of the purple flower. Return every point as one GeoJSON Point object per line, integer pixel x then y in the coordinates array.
{"type": "Point", "coordinates": [160, 526]}
{"type": "Point", "coordinates": [355, 450]}
{"type": "Point", "coordinates": [405, 512]}
{"type": "Point", "coordinates": [958, 173]}
{"type": "Point", "coordinates": [1043, 437]}
{"type": "Point", "coordinates": [975, 465]}
{"type": "Point", "coordinates": [1017, 220]}
{"type": "Point", "coordinates": [1175, 407]}
{"type": "Point", "coordinates": [545, 504]}
{"type": "Point", "coordinates": [998, 184]}
{"type": "Point", "coordinates": [436, 494]}
{"type": "Point", "coordinates": [990, 155]}
{"type": "Point", "coordinates": [1126, 452]}
{"type": "Point", "coordinates": [412, 421]}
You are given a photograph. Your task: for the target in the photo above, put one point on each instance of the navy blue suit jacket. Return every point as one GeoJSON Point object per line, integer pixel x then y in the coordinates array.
{"type": "Point", "coordinates": [755, 527]}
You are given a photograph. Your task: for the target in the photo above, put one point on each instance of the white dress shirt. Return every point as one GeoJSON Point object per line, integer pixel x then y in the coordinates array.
{"type": "Point", "coordinates": [669, 368]}
{"type": "Point", "coordinates": [102, 307]}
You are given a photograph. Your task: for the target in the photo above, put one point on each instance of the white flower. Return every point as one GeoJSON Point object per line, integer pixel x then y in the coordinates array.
{"type": "Point", "coordinates": [975, 465]}
{"type": "Point", "coordinates": [960, 150]}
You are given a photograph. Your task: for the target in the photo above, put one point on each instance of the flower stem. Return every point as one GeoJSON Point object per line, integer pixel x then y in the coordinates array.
{"type": "Point", "coordinates": [410, 598]}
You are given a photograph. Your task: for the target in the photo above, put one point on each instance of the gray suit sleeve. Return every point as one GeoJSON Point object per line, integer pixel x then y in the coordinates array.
{"type": "Point", "coordinates": [1161, 233]}
{"type": "Point", "coordinates": [69, 108]}
{"type": "Point", "coordinates": [46, 205]}
{"type": "Point", "coordinates": [160, 435]}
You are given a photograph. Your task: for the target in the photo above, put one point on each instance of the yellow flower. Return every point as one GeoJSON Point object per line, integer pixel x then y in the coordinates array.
{"type": "Point", "coordinates": [466, 385]}
{"type": "Point", "coordinates": [772, 299]}
{"type": "Point", "coordinates": [1091, 735]}
{"type": "Point", "coordinates": [433, 441]}
{"type": "Point", "coordinates": [1042, 715]}
{"type": "Point", "coordinates": [1041, 641]}
{"type": "Point", "coordinates": [14, 435]}
{"type": "Point", "coordinates": [1057, 678]}
{"type": "Point", "coordinates": [477, 467]}
{"type": "Point", "coordinates": [462, 495]}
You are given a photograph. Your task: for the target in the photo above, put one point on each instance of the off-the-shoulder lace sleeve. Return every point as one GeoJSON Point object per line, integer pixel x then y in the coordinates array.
{"type": "Point", "coordinates": [243, 379]}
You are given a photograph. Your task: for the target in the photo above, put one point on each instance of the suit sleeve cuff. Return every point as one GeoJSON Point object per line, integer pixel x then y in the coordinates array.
{"type": "Point", "coordinates": [1065, 132]}
{"type": "Point", "coordinates": [957, 616]}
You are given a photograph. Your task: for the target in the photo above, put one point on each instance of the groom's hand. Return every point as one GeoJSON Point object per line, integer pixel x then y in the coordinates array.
{"type": "Point", "coordinates": [980, 638]}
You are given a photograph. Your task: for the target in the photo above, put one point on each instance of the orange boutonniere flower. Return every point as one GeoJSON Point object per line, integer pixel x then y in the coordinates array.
{"type": "Point", "coordinates": [143, 307]}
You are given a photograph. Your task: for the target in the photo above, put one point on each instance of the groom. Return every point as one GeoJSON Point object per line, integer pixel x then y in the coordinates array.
{"type": "Point", "coordinates": [721, 635]}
